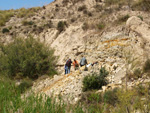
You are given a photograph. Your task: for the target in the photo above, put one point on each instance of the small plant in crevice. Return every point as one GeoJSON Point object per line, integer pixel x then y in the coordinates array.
{"type": "Point", "coordinates": [101, 26]}
{"type": "Point", "coordinates": [25, 23]}
{"type": "Point", "coordinates": [140, 17]}
{"type": "Point", "coordinates": [123, 18]}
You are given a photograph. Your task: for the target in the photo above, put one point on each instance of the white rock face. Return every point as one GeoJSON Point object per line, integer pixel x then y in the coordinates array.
{"type": "Point", "coordinates": [137, 25]}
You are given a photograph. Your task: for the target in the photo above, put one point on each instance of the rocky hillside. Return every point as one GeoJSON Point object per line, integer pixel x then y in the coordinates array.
{"type": "Point", "coordinates": [116, 34]}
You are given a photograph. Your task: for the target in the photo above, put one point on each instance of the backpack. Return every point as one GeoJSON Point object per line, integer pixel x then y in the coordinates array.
{"type": "Point", "coordinates": [83, 61]}
{"type": "Point", "coordinates": [76, 65]}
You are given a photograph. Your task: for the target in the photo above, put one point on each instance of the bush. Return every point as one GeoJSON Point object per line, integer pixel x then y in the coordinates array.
{"type": "Point", "coordinates": [100, 26]}
{"type": "Point", "coordinates": [90, 82]}
{"type": "Point", "coordinates": [95, 81]}
{"type": "Point", "coordinates": [61, 26]}
{"type": "Point", "coordinates": [91, 98]}
{"type": "Point", "coordinates": [27, 57]}
{"type": "Point", "coordinates": [27, 22]}
{"type": "Point", "coordinates": [5, 30]}
{"type": "Point", "coordinates": [110, 97]}
{"type": "Point", "coordinates": [124, 18]}
{"type": "Point", "coordinates": [85, 26]}
{"type": "Point", "coordinates": [146, 67]}
{"type": "Point", "coordinates": [137, 72]}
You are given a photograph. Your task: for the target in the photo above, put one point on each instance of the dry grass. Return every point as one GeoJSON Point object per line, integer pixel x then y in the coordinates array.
{"type": "Point", "coordinates": [5, 16]}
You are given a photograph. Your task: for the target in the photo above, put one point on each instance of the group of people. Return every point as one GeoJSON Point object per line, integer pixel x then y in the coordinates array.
{"type": "Point", "coordinates": [75, 63]}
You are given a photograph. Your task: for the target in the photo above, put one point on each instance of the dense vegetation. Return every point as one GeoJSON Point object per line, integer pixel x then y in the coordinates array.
{"type": "Point", "coordinates": [30, 58]}
{"type": "Point", "coordinates": [27, 58]}
{"type": "Point", "coordinates": [95, 81]}
{"type": "Point", "coordinates": [118, 100]}
{"type": "Point", "coordinates": [11, 101]}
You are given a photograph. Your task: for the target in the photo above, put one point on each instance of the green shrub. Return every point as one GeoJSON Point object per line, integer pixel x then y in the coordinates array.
{"type": "Point", "coordinates": [140, 17]}
{"type": "Point", "coordinates": [28, 57]}
{"type": "Point", "coordinates": [5, 30]}
{"type": "Point", "coordinates": [61, 26]}
{"type": "Point", "coordinates": [140, 90]}
{"type": "Point", "coordinates": [95, 81]}
{"type": "Point", "coordinates": [124, 18]}
{"type": "Point", "coordinates": [146, 67]}
{"type": "Point", "coordinates": [73, 20]}
{"type": "Point", "coordinates": [85, 26]}
{"type": "Point", "coordinates": [110, 97]}
{"type": "Point", "coordinates": [100, 26]}
{"type": "Point", "coordinates": [137, 72]}
{"type": "Point", "coordinates": [90, 82]}
{"type": "Point", "coordinates": [27, 22]}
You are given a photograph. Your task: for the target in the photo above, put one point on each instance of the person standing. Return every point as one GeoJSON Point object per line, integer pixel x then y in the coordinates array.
{"type": "Point", "coordinates": [83, 61]}
{"type": "Point", "coordinates": [68, 66]}
{"type": "Point", "coordinates": [75, 64]}
{"type": "Point", "coordinates": [66, 69]}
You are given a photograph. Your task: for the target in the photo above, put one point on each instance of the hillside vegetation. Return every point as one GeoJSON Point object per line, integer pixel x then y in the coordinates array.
{"type": "Point", "coordinates": [113, 33]}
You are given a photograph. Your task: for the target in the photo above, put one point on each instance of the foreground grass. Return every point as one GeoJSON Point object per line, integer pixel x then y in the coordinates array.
{"type": "Point", "coordinates": [112, 101]}
{"type": "Point", "coordinates": [11, 101]}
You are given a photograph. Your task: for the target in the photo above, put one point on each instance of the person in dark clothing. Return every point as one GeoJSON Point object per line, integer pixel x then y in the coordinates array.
{"type": "Point", "coordinates": [68, 66]}
{"type": "Point", "coordinates": [66, 69]}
